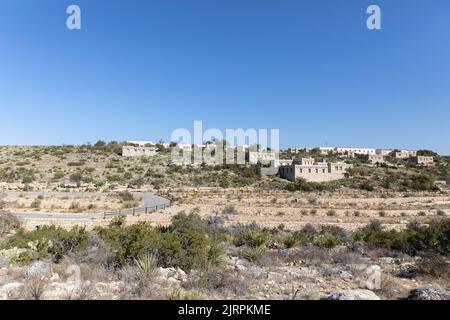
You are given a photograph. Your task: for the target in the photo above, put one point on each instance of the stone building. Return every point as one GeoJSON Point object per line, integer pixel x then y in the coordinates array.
{"type": "Point", "coordinates": [355, 151]}
{"type": "Point", "coordinates": [404, 154]}
{"type": "Point", "coordinates": [263, 157]}
{"type": "Point", "coordinates": [375, 158]}
{"type": "Point", "coordinates": [383, 152]}
{"type": "Point", "coordinates": [310, 170]}
{"type": "Point", "coordinates": [425, 160]}
{"type": "Point", "coordinates": [130, 151]}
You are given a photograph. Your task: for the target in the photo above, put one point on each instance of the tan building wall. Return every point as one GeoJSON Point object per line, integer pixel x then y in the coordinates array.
{"type": "Point", "coordinates": [403, 154]}
{"type": "Point", "coordinates": [425, 160]}
{"type": "Point", "coordinates": [315, 172]}
{"type": "Point", "coordinates": [375, 158]}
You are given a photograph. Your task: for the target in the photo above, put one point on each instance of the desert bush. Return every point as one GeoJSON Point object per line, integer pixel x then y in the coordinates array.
{"type": "Point", "coordinates": [290, 241]}
{"type": "Point", "coordinates": [252, 238]}
{"type": "Point", "coordinates": [433, 265]}
{"type": "Point", "coordinates": [252, 254]}
{"type": "Point", "coordinates": [48, 241]}
{"type": "Point", "coordinates": [420, 182]}
{"type": "Point", "coordinates": [303, 185]}
{"type": "Point", "coordinates": [185, 244]}
{"type": "Point", "coordinates": [229, 209]}
{"type": "Point", "coordinates": [36, 203]}
{"type": "Point", "coordinates": [326, 240]}
{"type": "Point", "coordinates": [413, 240]}
{"type": "Point", "coordinates": [76, 177]}
{"type": "Point", "coordinates": [76, 163]}
{"type": "Point", "coordinates": [331, 213]}
{"type": "Point", "coordinates": [309, 254]}
{"type": "Point", "coordinates": [75, 206]}
{"type": "Point", "coordinates": [33, 288]}
{"type": "Point", "coordinates": [216, 255]}
{"type": "Point", "coordinates": [8, 223]}
{"type": "Point", "coordinates": [179, 294]}
{"type": "Point", "coordinates": [218, 280]}
{"type": "Point", "coordinates": [441, 213]}
{"type": "Point", "coordinates": [125, 196]}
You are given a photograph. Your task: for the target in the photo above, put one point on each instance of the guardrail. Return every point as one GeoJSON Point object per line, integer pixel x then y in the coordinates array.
{"type": "Point", "coordinates": [135, 211]}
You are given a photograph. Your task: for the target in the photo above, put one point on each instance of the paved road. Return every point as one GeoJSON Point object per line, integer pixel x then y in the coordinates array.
{"type": "Point", "coordinates": [148, 199]}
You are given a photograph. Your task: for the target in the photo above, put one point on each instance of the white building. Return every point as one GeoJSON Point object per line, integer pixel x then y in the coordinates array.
{"type": "Point", "coordinates": [140, 143]}
{"type": "Point", "coordinates": [355, 151]}
{"type": "Point", "coordinates": [326, 150]}
{"type": "Point", "coordinates": [131, 151]}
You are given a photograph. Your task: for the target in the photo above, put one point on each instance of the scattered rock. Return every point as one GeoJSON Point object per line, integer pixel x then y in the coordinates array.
{"type": "Point", "coordinates": [7, 288]}
{"type": "Point", "coordinates": [355, 294]}
{"type": "Point", "coordinates": [172, 273]}
{"type": "Point", "coordinates": [41, 269]}
{"type": "Point", "coordinates": [257, 273]}
{"type": "Point", "coordinates": [387, 260]}
{"type": "Point", "coordinates": [428, 294]}
{"type": "Point", "coordinates": [60, 291]}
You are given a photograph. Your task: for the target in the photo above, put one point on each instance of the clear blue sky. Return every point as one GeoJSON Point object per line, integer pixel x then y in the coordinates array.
{"type": "Point", "coordinates": [140, 69]}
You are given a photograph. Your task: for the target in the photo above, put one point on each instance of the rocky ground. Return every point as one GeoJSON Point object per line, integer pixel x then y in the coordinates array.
{"type": "Point", "coordinates": [296, 274]}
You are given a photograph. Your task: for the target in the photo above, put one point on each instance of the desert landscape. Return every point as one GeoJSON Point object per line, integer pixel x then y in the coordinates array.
{"type": "Point", "coordinates": [226, 232]}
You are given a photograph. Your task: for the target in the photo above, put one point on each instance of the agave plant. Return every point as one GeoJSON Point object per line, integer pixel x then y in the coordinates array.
{"type": "Point", "coordinates": [147, 263]}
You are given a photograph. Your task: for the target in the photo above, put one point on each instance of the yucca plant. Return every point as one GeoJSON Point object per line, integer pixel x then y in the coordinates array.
{"type": "Point", "coordinates": [216, 256]}
{"type": "Point", "coordinates": [252, 254]}
{"type": "Point", "coordinates": [147, 263]}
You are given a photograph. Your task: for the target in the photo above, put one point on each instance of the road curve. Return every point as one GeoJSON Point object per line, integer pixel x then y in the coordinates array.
{"type": "Point", "coordinates": [148, 200]}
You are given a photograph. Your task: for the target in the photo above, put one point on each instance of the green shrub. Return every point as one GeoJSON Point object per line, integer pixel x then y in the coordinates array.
{"type": "Point", "coordinates": [36, 203]}
{"type": "Point", "coordinates": [126, 196]}
{"type": "Point", "coordinates": [326, 240]}
{"type": "Point", "coordinates": [188, 243]}
{"type": "Point", "coordinates": [252, 254]}
{"type": "Point", "coordinates": [49, 241]}
{"type": "Point", "coordinates": [229, 209]}
{"type": "Point", "coordinates": [8, 223]}
{"type": "Point", "coordinates": [290, 241]}
{"type": "Point", "coordinates": [441, 213]}
{"type": "Point", "coordinates": [252, 238]}
{"type": "Point", "coordinates": [413, 240]}
{"type": "Point", "coordinates": [331, 213]}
